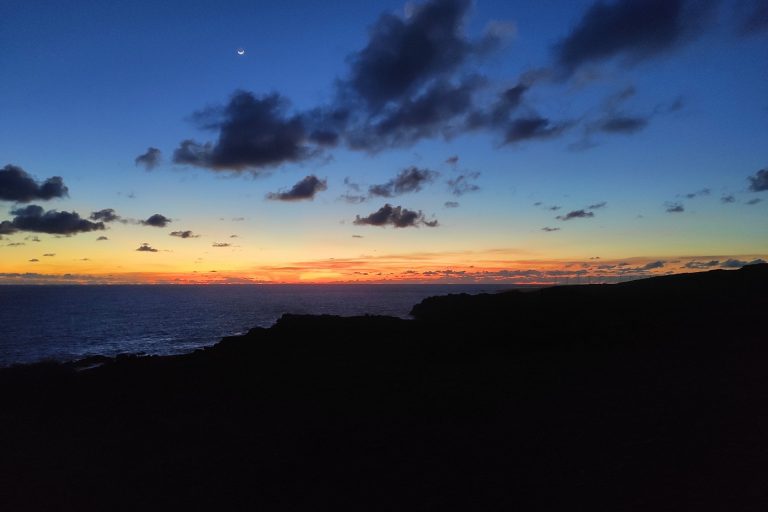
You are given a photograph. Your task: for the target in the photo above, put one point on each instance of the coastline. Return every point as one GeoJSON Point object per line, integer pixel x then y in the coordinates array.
{"type": "Point", "coordinates": [639, 396]}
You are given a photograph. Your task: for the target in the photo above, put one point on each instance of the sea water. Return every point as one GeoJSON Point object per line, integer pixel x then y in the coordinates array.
{"type": "Point", "coordinates": [67, 322]}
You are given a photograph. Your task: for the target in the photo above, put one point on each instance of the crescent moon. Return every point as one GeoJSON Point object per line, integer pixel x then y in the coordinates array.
{"type": "Point", "coordinates": [241, 51]}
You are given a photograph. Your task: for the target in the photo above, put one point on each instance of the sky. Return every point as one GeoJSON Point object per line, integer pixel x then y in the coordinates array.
{"type": "Point", "coordinates": [549, 141]}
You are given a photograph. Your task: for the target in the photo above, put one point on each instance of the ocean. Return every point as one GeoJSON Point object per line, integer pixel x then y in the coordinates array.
{"type": "Point", "coordinates": [69, 322]}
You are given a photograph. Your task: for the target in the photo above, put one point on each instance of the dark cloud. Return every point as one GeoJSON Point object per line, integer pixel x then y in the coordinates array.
{"type": "Point", "coordinates": [651, 266]}
{"type": "Point", "coordinates": [759, 182]}
{"type": "Point", "coordinates": [734, 263]}
{"type": "Point", "coordinates": [498, 114]}
{"type": "Point", "coordinates": [576, 214]}
{"type": "Point", "coordinates": [753, 16]}
{"type": "Point", "coordinates": [34, 260]}
{"type": "Point", "coordinates": [253, 133]}
{"type": "Point", "coordinates": [597, 206]}
{"type": "Point", "coordinates": [184, 234]}
{"type": "Point", "coordinates": [754, 201]}
{"type": "Point", "coordinates": [702, 264]}
{"type": "Point", "coordinates": [554, 208]}
{"type": "Point", "coordinates": [156, 220]}
{"type": "Point", "coordinates": [221, 244]}
{"type": "Point", "coordinates": [146, 248]}
{"type": "Point", "coordinates": [728, 199]}
{"type": "Point", "coordinates": [105, 215]}
{"type": "Point", "coordinates": [549, 230]}
{"type": "Point", "coordinates": [412, 119]}
{"type": "Point", "coordinates": [306, 188]}
{"type": "Point", "coordinates": [357, 236]}
{"type": "Point", "coordinates": [698, 193]}
{"type": "Point", "coordinates": [396, 216]}
{"type": "Point", "coordinates": [150, 159]}
{"type": "Point", "coordinates": [49, 254]}
{"type": "Point", "coordinates": [7, 228]}
{"type": "Point", "coordinates": [452, 160]}
{"type": "Point", "coordinates": [464, 183]}
{"type": "Point", "coordinates": [675, 208]}
{"type": "Point", "coordinates": [451, 204]}
{"type": "Point", "coordinates": [622, 124]}
{"type": "Point", "coordinates": [16, 185]}
{"type": "Point", "coordinates": [34, 218]}
{"type": "Point", "coordinates": [402, 55]}
{"type": "Point", "coordinates": [528, 128]}
{"type": "Point", "coordinates": [408, 180]}
{"type": "Point", "coordinates": [351, 184]}
{"type": "Point", "coordinates": [102, 238]}
{"type": "Point", "coordinates": [636, 29]}
{"type": "Point", "coordinates": [352, 198]}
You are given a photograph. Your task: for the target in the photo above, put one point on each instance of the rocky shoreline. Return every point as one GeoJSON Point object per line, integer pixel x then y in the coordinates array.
{"type": "Point", "coordinates": [644, 395]}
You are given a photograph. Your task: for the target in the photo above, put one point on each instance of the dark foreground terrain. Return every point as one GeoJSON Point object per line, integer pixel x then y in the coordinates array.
{"type": "Point", "coordinates": [648, 395]}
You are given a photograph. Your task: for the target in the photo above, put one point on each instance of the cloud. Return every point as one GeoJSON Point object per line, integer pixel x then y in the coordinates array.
{"type": "Point", "coordinates": [698, 193]}
{"type": "Point", "coordinates": [146, 248]}
{"type": "Point", "coordinates": [34, 260]}
{"type": "Point", "coordinates": [622, 124]}
{"type": "Point", "coordinates": [734, 263]}
{"type": "Point", "coordinates": [528, 128]}
{"type": "Point", "coordinates": [254, 133]}
{"type": "Point", "coordinates": [351, 184]}
{"type": "Point", "coordinates": [451, 204]}
{"type": "Point", "coordinates": [635, 29]}
{"type": "Point", "coordinates": [221, 244]}
{"type": "Point", "coordinates": [184, 234]}
{"type": "Point", "coordinates": [150, 159]}
{"type": "Point", "coordinates": [102, 238]}
{"type": "Point", "coordinates": [408, 180]}
{"type": "Point", "coordinates": [463, 183]}
{"type": "Point", "coordinates": [403, 55]}
{"type": "Point", "coordinates": [396, 216]}
{"type": "Point", "coordinates": [156, 220]}
{"type": "Point", "coordinates": [549, 230]}
{"type": "Point", "coordinates": [452, 160]}
{"type": "Point", "coordinates": [352, 198]}
{"type": "Point", "coordinates": [754, 201]}
{"type": "Point", "coordinates": [576, 214]}
{"type": "Point", "coordinates": [652, 265]}
{"type": "Point", "coordinates": [759, 182]}
{"type": "Point", "coordinates": [728, 199]}
{"type": "Point", "coordinates": [753, 16]}
{"type": "Point", "coordinates": [597, 206]}
{"type": "Point", "coordinates": [675, 208]}
{"type": "Point", "coordinates": [105, 215]}
{"type": "Point", "coordinates": [7, 228]}
{"type": "Point", "coordinates": [49, 254]}
{"type": "Point", "coordinates": [16, 185]}
{"type": "Point", "coordinates": [32, 238]}
{"type": "Point", "coordinates": [426, 115]}
{"type": "Point", "coordinates": [306, 188]}
{"type": "Point", "coordinates": [34, 218]}
{"type": "Point", "coordinates": [499, 112]}
{"type": "Point", "coordinates": [702, 264]}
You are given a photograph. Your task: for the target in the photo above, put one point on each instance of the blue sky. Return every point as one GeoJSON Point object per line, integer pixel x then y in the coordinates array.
{"type": "Point", "coordinates": [89, 86]}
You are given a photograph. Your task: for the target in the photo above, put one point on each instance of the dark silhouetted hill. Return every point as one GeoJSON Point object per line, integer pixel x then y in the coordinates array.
{"type": "Point", "coordinates": [645, 395]}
